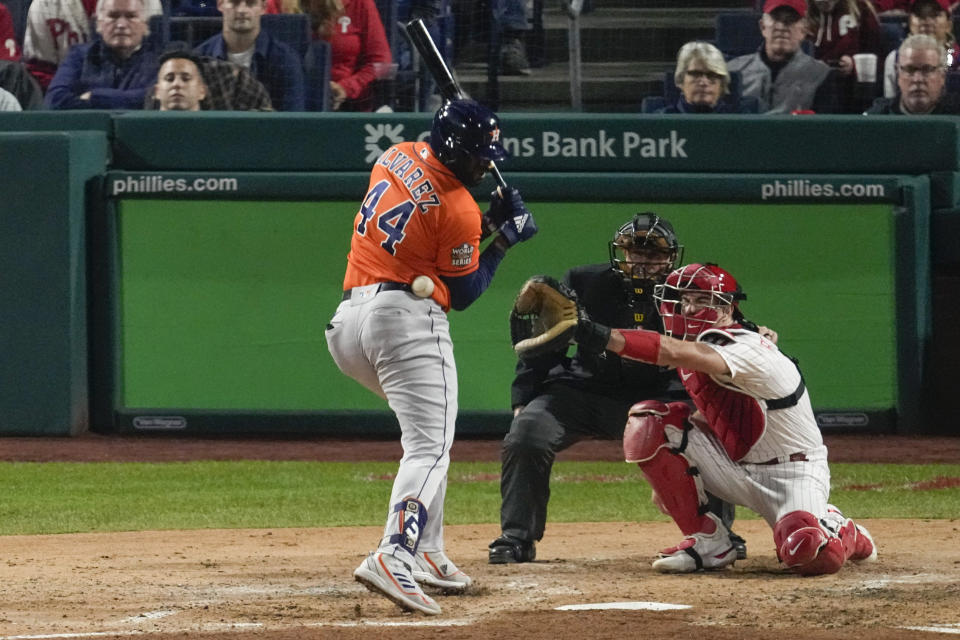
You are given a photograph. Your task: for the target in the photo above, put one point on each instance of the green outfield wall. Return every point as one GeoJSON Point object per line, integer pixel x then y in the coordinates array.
{"type": "Point", "coordinates": [204, 254]}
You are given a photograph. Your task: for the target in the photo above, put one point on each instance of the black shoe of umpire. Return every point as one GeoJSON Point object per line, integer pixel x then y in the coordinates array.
{"type": "Point", "coordinates": [740, 545]}
{"type": "Point", "coordinates": [506, 550]}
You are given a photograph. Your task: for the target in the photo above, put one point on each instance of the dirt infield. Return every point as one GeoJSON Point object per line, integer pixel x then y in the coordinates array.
{"type": "Point", "coordinates": [294, 584]}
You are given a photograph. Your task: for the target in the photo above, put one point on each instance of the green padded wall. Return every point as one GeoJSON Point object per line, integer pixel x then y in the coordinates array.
{"type": "Point", "coordinates": [223, 302]}
{"type": "Point", "coordinates": [43, 370]}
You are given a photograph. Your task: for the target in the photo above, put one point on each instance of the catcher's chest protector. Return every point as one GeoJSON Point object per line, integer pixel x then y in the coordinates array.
{"type": "Point", "coordinates": [736, 418]}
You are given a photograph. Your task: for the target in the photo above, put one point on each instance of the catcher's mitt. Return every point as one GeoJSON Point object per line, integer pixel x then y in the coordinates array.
{"type": "Point", "coordinates": [544, 317]}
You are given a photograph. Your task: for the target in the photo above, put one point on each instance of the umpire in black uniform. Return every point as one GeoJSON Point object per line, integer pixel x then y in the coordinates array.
{"type": "Point", "coordinates": [558, 400]}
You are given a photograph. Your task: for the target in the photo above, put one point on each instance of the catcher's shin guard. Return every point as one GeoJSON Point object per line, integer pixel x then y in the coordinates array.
{"type": "Point", "coordinates": [676, 482]}
{"type": "Point", "coordinates": [413, 518]}
{"type": "Point", "coordinates": [806, 547]}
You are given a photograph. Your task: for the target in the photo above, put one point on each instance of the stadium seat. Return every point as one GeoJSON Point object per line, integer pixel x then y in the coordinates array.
{"type": "Point", "coordinates": [194, 8]}
{"type": "Point", "coordinates": [290, 28]}
{"type": "Point", "coordinates": [892, 34]}
{"type": "Point", "coordinates": [953, 82]}
{"type": "Point", "coordinates": [317, 67]}
{"type": "Point", "coordinates": [159, 26]}
{"type": "Point", "coordinates": [194, 29]}
{"type": "Point", "coordinates": [652, 104]}
{"type": "Point", "coordinates": [737, 32]}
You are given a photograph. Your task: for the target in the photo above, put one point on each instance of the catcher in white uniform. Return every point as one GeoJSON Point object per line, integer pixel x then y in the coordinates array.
{"type": "Point", "coordinates": [752, 441]}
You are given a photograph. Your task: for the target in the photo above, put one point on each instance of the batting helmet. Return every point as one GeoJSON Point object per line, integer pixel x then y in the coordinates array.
{"type": "Point", "coordinates": [708, 290]}
{"type": "Point", "coordinates": [466, 135]}
{"type": "Point", "coordinates": [645, 247]}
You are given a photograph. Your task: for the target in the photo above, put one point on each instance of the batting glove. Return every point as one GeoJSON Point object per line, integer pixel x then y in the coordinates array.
{"type": "Point", "coordinates": [519, 224]}
{"type": "Point", "coordinates": [502, 204]}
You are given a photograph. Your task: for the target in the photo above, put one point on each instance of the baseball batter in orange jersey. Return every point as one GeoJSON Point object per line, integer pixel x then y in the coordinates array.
{"type": "Point", "coordinates": [418, 219]}
{"type": "Point", "coordinates": [404, 229]}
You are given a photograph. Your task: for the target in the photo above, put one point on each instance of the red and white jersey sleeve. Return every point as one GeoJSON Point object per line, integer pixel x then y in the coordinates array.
{"type": "Point", "coordinates": [53, 26]}
{"type": "Point", "coordinates": [9, 47]}
{"type": "Point", "coordinates": [758, 372]}
{"type": "Point", "coordinates": [416, 219]}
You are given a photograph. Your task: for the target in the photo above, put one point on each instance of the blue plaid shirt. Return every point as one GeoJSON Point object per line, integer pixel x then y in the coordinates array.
{"type": "Point", "coordinates": [274, 64]}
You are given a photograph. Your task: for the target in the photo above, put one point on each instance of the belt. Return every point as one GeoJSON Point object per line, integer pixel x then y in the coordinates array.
{"type": "Point", "coordinates": [793, 457]}
{"type": "Point", "coordinates": [383, 286]}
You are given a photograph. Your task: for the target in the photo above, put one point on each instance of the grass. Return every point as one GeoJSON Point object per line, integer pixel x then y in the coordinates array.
{"type": "Point", "coordinates": [81, 497]}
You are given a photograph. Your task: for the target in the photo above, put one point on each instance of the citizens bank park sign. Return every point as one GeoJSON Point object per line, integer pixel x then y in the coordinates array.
{"type": "Point", "coordinates": [593, 144]}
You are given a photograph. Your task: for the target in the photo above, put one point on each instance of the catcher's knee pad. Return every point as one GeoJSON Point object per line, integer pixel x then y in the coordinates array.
{"type": "Point", "coordinates": [644, 434]}
{"type": "Point", "coordinates": [668, 471]}
{"type": "Point", "coordinates": [805, 547]}
{"type": "Point", "coordinates": [413, 518]}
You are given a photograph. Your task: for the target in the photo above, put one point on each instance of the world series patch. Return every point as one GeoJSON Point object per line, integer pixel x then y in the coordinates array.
{"type": "Point", "coordinates": [461, 256]}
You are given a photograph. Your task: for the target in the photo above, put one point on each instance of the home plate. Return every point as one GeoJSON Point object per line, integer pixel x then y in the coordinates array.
{"type": "Point", "coordinates": [630, 606]}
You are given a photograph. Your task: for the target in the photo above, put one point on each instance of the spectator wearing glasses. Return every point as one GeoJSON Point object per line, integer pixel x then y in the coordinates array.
{"type": "Point", "coordinates": [921, 78]}
{"type": "Point", "coordinates": [779, 74]}
{"type": "Point", "coordinates": [703, 81]}
{"type": "Point", "coordinates": [112, 72]}
{"type": "Point", "coordinates": [932, 18]}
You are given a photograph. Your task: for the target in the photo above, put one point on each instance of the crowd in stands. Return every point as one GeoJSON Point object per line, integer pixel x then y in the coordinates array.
{"type": "Point", "coordinates": [93, 54]}
{"type": "Point", "coordinates": [820, 56]}
{"type": "Point", "coordinates": [808, 62]}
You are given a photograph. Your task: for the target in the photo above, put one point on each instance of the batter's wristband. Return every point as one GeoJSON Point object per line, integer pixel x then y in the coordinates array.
{"type": "Point", "coordinates": [641, 345]}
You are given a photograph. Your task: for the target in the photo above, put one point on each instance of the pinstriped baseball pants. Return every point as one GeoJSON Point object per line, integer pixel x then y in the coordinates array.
{"type": "Point", "coordinates": [771, 490]}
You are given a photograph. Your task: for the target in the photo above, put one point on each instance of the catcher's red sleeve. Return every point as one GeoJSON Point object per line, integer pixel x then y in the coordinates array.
{"type": "Point", "coordinates": [641, 345]}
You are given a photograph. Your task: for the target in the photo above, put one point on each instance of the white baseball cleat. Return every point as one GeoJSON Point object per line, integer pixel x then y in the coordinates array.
{"type": "Point", "coordinates": [698, 552]}
{"type": "Point", "coordinates": [388, 576]}
{"type": "Point", "coordinates": [437, 570]}
{"type": "Point", "coordinates": [866, 549]}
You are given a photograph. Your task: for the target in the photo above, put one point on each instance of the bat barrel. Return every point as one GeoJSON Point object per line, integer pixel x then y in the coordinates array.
{"type": "Point", "coordinates": [421, 40]}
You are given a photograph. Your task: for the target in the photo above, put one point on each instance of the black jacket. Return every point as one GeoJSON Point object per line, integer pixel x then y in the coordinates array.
{"type": "Point", "coordinates": [949, 104]}
{"type": "Point", "coordinates": [609, 301]}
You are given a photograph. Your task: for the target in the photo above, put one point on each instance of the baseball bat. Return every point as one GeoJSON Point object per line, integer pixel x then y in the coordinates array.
{"type": "Point", "coordinates": [450, 89]}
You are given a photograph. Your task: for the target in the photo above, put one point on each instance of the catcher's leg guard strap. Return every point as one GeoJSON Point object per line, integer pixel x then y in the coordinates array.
{"type": "Point", "coordinates": [644, 434]}
{"type": "Point", "coordinates": [671, 475]}
{"type": "Point", "coordinates": [805, 546]}
{"type": "Point", "coordinates": [412, 522]}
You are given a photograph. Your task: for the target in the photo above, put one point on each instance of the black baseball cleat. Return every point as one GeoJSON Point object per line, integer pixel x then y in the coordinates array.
{"type": "Point", "coordinates": [507, 550]}
{"type": "Point", "coordinates": [739, 545]}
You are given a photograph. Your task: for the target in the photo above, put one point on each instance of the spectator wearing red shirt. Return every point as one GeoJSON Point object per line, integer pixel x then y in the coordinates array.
{"type": "Point", "coordinates": [842, 28]}
{"type": "Point", "coordinates": [360, 53]}
{"type": "Point", "coordinates": [9, 47]}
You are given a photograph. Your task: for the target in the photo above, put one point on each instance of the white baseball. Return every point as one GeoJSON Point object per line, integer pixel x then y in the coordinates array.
{"type": "Point", "coordinates": [422, 286]}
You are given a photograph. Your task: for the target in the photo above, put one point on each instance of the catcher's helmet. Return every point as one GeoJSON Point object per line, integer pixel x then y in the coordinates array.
{"type": "Point", "coordinates": [693, 298]}
{"type": "Point", "coordinates": [645, 248]}
{"type": "Point", "coordinates": [466, 135]}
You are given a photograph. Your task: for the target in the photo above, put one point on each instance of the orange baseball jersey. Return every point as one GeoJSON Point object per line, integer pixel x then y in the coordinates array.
{"type": "Point", "coordinates": [416, 219]}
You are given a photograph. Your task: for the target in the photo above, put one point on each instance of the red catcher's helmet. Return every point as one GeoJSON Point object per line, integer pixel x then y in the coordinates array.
{"type": "Point", "coordinates": [693, 298]}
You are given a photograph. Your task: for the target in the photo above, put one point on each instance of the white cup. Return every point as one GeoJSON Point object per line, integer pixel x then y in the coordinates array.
{"type": "Point", "coordinates": [866, 67]}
